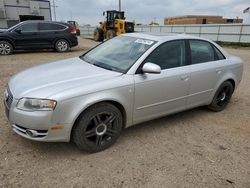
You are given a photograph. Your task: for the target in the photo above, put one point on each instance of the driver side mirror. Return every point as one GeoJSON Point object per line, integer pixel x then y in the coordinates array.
{"type": "Point", "coordinates": [151, 68]}
{"type": "Point", "coordinates": [103, 13]}
{"type": "Point", "coordinates": [19, 31]}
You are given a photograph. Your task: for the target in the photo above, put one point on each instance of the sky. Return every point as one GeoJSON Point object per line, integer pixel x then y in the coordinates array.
{"type": "Point", "coordinates": [145, 11]}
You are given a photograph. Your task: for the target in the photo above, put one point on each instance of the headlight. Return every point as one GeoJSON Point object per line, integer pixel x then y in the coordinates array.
{"type": "Point", "coordinates": [29, 104]}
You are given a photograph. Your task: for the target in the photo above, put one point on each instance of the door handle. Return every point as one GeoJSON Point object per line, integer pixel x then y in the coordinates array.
{"type": "Point", "coordinates": [185, 77]}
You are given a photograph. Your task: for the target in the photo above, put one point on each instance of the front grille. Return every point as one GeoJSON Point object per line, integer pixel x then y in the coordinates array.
{"type": "Point", "coordinates": [8, 98]}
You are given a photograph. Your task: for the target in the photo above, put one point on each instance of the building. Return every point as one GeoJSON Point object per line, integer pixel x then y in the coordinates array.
{"type": "Point", "coordinates": [14, 11]}
{"type": "Point", "coordinates": [192, 19]}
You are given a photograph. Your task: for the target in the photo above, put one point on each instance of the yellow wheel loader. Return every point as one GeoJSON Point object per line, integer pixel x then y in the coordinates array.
{"type": "Point", "coordinates": [115, 24]}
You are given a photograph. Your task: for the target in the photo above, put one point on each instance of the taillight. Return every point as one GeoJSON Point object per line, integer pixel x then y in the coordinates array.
{"type": "Point", "coordinates": [73, 30]}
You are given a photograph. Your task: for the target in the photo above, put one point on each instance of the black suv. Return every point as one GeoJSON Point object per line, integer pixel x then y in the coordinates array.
{"type": "Point", "coordinates": [38, 35]}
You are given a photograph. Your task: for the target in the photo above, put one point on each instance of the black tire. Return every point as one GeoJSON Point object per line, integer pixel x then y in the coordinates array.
{"type": "Point", "coordinates": [98, 128]}
{"type": "Point", "coordinates": [6, 48]}
{"type": "Point", "coordinates": [222, 97]}
{"type": "Point", "coordinates": [110, 34]}
{"type": "Point", "coordinates": [98, 35]}
{"type": "Point", "coordinates": [62, 45]}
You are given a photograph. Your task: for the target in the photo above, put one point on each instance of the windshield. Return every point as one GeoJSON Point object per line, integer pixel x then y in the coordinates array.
{"type": "Point", "coordinates": [118, 54]}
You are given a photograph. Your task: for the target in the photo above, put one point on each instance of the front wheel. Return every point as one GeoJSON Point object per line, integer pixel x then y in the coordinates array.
{"type": "Point", "coordinates": [5, 48]}
{"type": "Point", "coordinates": [62, 45]}
{"type": "Point", "coordinates": [110, 34]}
{"type": "Point", "coordinates": [98, 35]}
{"type": "Point", "coordinates": [222, 97]}
{"type": "Point", "coordinates": [98, 128]}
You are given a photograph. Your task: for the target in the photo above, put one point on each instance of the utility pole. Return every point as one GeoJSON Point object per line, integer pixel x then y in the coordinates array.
{"type": "Point", "coordinates": [120, 5]}
{"type": "Point", "coordinates": [54, 9]}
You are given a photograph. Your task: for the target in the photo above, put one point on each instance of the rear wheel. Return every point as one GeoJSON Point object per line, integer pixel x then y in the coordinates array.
{"type": "Point", "coordinates": [111, 34]}
{"type": "Point", "coordinates": [222, 97]}
{"type": "Point", "coordinates": [98, 128]}
{"type": "Point", "coordinates": [98, 35]}
{"type": "Point", "coordinates": [62, 45]}
{"type": "Point", "coordinates": [5, 48]}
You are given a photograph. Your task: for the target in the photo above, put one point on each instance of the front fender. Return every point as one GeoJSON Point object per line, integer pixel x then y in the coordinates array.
{"type": "Point", "coordinates": [68, 111]}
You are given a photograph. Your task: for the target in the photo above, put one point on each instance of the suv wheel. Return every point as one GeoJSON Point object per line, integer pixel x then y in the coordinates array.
{"type": "Point", "coordinates": [222, 97]}
{"type": "Point", "coordinates": [5, 48]}
{"type": "Point", "coordinates": [98, 127]}
{"type": "Point", "coordinates": [62, 45]}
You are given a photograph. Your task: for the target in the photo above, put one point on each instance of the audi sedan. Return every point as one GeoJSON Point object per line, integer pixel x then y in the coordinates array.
{"type": "Point", "coordinates": [122, 82]}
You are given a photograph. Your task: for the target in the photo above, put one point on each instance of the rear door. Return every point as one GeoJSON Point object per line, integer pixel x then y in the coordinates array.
{"type": "Point", "coordinates": [165, 93]}
{"type": "Point", "coordinates": [49, 32]}
{"type": "Point", "coordinates": [26, 36]}
{"type": "Point", "coordinates": [206, 68]}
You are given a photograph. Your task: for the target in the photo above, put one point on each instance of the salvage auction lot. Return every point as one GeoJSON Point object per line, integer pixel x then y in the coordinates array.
{"type": "Point", "coordinates": [197, 148]}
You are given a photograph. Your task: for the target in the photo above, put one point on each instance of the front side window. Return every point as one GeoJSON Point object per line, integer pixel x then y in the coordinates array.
{"type": "Point", "coordinates": [29, 27]}
{"type": "Point", "coordinates": [118, 54]}
{"type": "Point", "coordinates": [201, 51]}
{"type": "Point", "coordinates": [168, 55]}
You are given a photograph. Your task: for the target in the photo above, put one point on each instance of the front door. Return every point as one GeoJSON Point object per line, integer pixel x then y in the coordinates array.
{"type": "Point", "coordinates": [26, 36]}
{"type": "Point", "coordinates": [161, 94]}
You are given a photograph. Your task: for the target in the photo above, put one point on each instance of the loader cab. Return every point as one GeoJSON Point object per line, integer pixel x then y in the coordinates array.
{"type": "Point", "coordinates": [112, 15]}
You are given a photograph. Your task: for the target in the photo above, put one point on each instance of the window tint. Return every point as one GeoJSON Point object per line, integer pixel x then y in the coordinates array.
{"type": "Point", "coordinates": [201, 51]}
{"type": "Point", "coordinates": [51, 27]}
{"type": "Point", "coordinates": [168, 55]}
{"type": "Point", "coordinates": [29, 27]}
{"type": "Point", "coordinates": [220, 56]}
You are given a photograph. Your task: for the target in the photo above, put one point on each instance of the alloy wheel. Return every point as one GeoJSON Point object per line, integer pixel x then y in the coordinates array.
{"type": "Point", "coordinates": [5, 48]}
{"type": "Point", "coordinates": [224, 96]}
{"type": "Point", "coordinates": [101, 129]}
{"type": "Point", "coordinates": [62, 46]}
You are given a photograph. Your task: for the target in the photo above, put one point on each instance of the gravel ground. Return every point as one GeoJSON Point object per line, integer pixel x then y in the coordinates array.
{"type": "Point", "coordinates": [197, 148]}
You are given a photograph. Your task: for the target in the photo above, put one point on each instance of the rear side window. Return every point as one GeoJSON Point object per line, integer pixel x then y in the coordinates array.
{"type": "Point", "coordinates": [169, 55]}
{"type": "Point", "coordinates": [220, 56]}
{"type": "Point", "coordinates": [51, 27]}
{"type": "Point", "coordinates": [201, 51]}
{"type": "Point", "coordinates": [29, 27]}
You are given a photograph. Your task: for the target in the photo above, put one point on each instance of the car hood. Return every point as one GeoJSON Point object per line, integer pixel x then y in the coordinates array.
{"type": "Point", "coordinates": [45, 81]}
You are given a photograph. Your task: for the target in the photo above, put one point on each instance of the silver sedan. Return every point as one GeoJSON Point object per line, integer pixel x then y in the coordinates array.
{"type": "Point", "coordinates": [122, 82]}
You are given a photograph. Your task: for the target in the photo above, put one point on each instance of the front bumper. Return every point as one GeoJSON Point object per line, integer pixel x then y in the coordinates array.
{"type": "Point", "coordinates": [37, 125]}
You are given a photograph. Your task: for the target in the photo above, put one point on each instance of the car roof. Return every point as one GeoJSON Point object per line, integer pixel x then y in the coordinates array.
{"type": "Point", "coordinates": [43, 21]}
{"type": "Point", "coordinates": [161, 37]}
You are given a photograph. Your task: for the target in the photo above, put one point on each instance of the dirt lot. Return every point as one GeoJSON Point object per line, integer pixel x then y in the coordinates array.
{"type": "Point", "coordinates": [197, 148]}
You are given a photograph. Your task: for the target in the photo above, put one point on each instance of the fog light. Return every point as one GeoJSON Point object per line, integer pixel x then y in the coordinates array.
{"type": "Point", "coordinates": [31, 133]}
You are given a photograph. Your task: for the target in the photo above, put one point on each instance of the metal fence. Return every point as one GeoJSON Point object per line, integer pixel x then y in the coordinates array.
{"type": "Point", "coordinates": [216, 32]}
